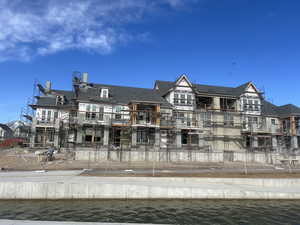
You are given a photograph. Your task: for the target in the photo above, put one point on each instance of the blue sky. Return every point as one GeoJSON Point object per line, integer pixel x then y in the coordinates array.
{"type": "Point", "coordinates": [135, 42]}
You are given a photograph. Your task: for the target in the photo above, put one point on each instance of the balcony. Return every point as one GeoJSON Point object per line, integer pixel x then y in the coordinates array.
{"type": "Point", "coordinates": [262, 128]}
{"type": "Point", "coordinates": [187, 123]}
{"type": "Point", "coordinates": [47, 123]}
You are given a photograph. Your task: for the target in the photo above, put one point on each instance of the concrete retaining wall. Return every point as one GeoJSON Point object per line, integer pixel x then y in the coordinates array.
{"type": "Point", "coordinates": [177, 156]}
{"type": "Point", "coordinates": [79, 187]}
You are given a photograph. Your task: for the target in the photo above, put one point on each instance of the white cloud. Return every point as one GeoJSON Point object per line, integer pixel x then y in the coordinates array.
{"type": "Point", "coordinates": [41, 27]}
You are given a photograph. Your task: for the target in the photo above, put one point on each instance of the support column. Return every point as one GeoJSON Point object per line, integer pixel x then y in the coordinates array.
{"type": "Point", "coordinates": [255, 142]}
{"type": "Point", "coordinates": [157, 139]}
{"type": "Point", "coordinates": [56, 138]}
{"type": "Point", "coordinates": [216, 103]}
{"type": "Point", "coordinates": [106, 136]}
{"type": "Point", "coordinates": [133, 137]}
{"type": "Point", "coordinates": [294, 142]}
{"type": "Point", "coordinates": [201, 142]}
{"type": "Point", "coordinates": [274, 142]}
{"type": "Point", "coordinates": [79, 136]}
{"type": "Point", "coordinates": [178, 139]}
{"type": "Point", "coordinates": [33, 133]}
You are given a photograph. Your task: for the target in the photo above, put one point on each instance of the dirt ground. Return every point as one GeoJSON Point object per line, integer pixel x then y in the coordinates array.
{"type": "Point", "coordinates": [24, 159]}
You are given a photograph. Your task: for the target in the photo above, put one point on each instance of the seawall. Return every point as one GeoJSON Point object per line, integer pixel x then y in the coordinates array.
{"type": "Point", "coordinates": [66, 185]}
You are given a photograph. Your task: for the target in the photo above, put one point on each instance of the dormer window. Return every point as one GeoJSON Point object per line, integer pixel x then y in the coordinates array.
{"type": "Point", "coordinates": [60, 100]}
{"type": "Point", "coordinates": [104, 93]}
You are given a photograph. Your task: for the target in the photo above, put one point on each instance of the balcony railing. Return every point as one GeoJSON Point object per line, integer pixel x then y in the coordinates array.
{"type": "Point", "coordinates": [262, 128]}
{"type": "Point", "coordinates": [44, 122]}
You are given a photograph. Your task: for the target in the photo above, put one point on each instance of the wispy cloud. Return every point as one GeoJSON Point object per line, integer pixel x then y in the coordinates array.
{"type": "Point", "coordinates": [42, 27]}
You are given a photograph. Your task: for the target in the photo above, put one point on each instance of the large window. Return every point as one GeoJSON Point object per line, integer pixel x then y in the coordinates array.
{"type": "Point", "coordinates": [43, 115]}
{"type": "Point", "coordinates": [176, 99]}
{"type": "Point", "coordinates": [101, 113]}
{"type": "Point", "coordinates": [182, 98]}
{"type": "Point", "coordinates": [145, 136]}
{"type": "Point", "coordinates": [189, 100]}
{"type": "Point", "coordinates": [206, 117]}
{"type": "Point", "coordinates": [251, 104]}
{"type": "Point", "coordinates": [228, 120]}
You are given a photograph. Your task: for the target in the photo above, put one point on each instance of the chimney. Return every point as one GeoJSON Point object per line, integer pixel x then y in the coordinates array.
{"type": "Point", "coordinates": [85, 77]}
{"type": "Point", "coordinates": [48, 86]}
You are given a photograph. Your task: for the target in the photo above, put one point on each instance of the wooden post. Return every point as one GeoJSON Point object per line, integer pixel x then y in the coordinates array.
{"type": "Point", "coordinates": [133, 114]}
{"type": "Point", "coordinates": [158, 115]}
{"type": "Point", "coordinates": [293, 125]}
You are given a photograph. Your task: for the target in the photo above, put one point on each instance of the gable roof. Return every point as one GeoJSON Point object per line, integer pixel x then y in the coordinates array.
{"type": "Point", "coordinates": [183, 76]}
{"type": "Point", "coordinates": [165, 86]}
{"type": "Point", "coordinates": [6, 128]}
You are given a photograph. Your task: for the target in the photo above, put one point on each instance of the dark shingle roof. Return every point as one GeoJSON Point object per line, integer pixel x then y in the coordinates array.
{"type": "Point", "coordinates": [122, 94]}
{"type": "Point", "coordinates": [50, 100]}
{"type": "Point", "coordinates": [288, 110]}
{"type": "Point", "coordinates": [269, 109]}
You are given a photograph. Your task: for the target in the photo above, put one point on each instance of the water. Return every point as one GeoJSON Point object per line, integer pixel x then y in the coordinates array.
{"type": "Point", "coordinates": [157, 211]}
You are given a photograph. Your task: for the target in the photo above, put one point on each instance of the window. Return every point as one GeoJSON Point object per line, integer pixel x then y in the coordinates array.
{"type": "Point", "coordinates": [245, 104]}
{"type": "Point", "coordinates": [55, 115]}
{"type": "Point", "coordinates": [104, 93]}
{"type": "Point", "coordinates": [118, 115]}
{"type": "Point", "coordinates": [206, 117]}
{"type": "Point", "coordinates": [49, 116]}
{"type": "Point", "coordinates": [256, 105]}
{"type": "Point", "coordinates": [176, 99]}
{"type": "Point", "coordinates": [182, 99]}
{"type": "Point", "coordinates": [252, 121]}
{"type": "Point", "coordinates": [142, 137]}
{"type": "Point", "coordinates": [250, 105]}
{"type": "Point", "coordinates": [273, 121]}
{"type": "Point", "coordinates": [228, 120]}
{"type": "Point", "coordinates": [101, 113]}
{"type": "Point", "coordinates": [88, 138]}
{"type": "Point", "coordinates": [43, 115]}
{"type": "Point", "coordinates": [189, 99]}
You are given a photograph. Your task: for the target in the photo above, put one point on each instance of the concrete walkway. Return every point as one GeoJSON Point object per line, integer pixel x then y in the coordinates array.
{"type": "Point", "coordinates": [67, 185]}
{"type": "Point", "coordinates": [26, 222]}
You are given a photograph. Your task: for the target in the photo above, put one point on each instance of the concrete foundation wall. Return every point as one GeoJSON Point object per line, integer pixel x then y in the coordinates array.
{"type": "Point", "coordinates": [152, 188]}
{"type": "Point", "coordinates": [178, 156]}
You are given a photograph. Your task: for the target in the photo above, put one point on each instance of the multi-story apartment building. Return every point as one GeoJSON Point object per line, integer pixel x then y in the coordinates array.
{"type": "Point", "coordinates": [171, 116]}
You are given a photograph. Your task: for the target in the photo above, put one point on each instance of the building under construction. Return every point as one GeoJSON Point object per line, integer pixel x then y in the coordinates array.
{"type": "Point", "coordinates": [172, 116]}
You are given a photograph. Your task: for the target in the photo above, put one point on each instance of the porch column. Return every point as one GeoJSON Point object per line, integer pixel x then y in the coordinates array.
{"type": "Point", "coordinates": [178, 139]}
{"type": "Point", "coordinates": [274, 142]}
{"type": "Point", "coordinates": [33, 133]}
{"type": "Point", "coordinates": [201, 142]}
{"type": "Point", "coordinates": [216, 103]}
{"type": "Point", "coordinates": [255, 142]}
{"type": "Point", "coordinates": [157, 138]}
{"type": "Point", "coordinates": [56, 138]}
{"type": "Point", "coordinates": [106, 136]}
{"type": "Point", "coordinates": [133, 137]}
{"type": "Point", "coordinates": [79, 136]}
{"type": "Point", "coordinates": [294, 142]}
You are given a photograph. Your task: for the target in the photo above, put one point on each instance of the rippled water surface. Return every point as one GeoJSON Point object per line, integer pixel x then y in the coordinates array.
{"type": "Point", "coordinates": [156, 211]}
